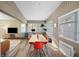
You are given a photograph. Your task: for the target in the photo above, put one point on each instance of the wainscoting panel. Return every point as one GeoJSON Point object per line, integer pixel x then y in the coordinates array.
{"type": "Point", "coordinates": [66, 49]}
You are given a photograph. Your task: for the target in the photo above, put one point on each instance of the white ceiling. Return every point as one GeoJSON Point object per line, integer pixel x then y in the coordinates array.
{"type": "Point", "coordinates": [5, 17]}
{"type": "Point", "coordinates": [37, 10]}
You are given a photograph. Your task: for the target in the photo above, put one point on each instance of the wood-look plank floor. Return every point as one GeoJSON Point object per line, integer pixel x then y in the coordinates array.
{"type": "Point", "coordinates": [49, 51]}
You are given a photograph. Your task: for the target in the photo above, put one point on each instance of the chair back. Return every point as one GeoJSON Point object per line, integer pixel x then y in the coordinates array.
{"type": "Point", "coordinates": [38, 45]}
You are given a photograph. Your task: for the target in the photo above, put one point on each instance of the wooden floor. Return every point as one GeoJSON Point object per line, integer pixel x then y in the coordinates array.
{"type": "Point", "coordinates": [48, 51]}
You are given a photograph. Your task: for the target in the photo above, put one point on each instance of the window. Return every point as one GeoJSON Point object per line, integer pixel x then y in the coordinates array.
{"type": "Point", "coordinates": [23, 28]}
{"type": "Point", "coordinates": [35, 26]}
{"type": "Point", "coordinates": [69, 26]}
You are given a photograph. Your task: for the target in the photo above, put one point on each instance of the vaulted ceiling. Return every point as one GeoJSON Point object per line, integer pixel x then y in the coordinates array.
{"type": "Point", "coordinates": [37, 10]}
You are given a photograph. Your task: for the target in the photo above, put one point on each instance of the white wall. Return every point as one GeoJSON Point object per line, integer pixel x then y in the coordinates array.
{"type": "Point", "coordinates": [49, 26]}
{"type": "Point", "coordinates": [5, 24]}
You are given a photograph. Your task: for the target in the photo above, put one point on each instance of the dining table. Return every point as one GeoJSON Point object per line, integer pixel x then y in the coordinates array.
{"type": "Point", "coordinates": [39, 38]}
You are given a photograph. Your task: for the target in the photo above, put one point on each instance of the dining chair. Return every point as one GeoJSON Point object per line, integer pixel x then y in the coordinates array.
{"type": "Point", "coordinates": [38, 48]}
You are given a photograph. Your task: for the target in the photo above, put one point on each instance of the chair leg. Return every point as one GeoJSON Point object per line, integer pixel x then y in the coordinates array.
{"type": "Point", "coordinates": [37, 52]}
{"type": "Point", "coordinates": [46, 49]}
{"type": "Point", "coordinates": [34, 52]}
{"type": "Point", "coordinates": [29, 49]}
{"type": "Point", "coordinates": [44, 52]}
{"type": "Point", "coordinates": [40, 52]}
